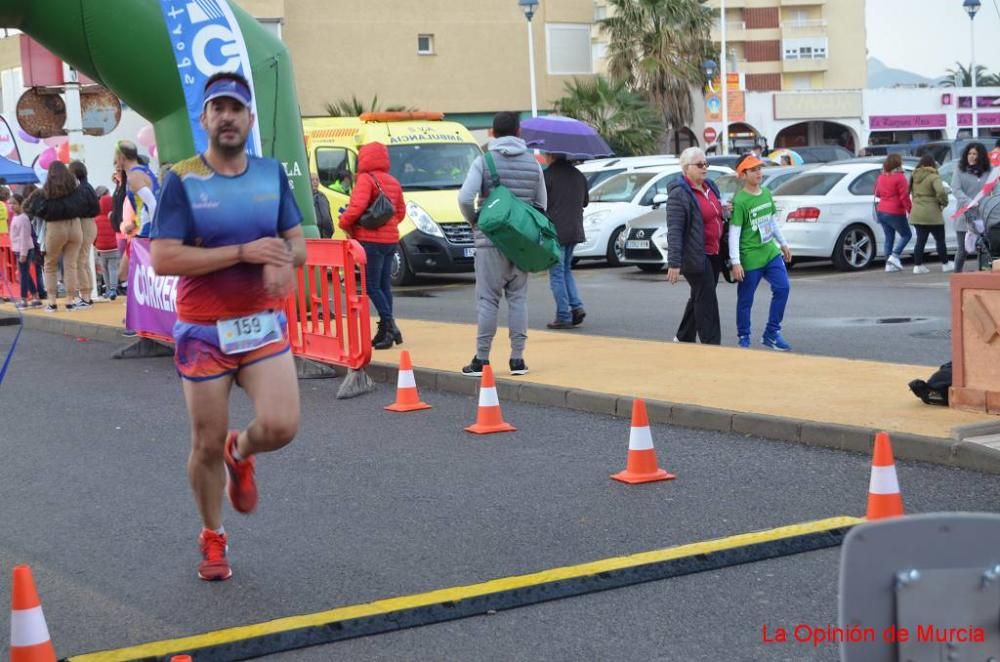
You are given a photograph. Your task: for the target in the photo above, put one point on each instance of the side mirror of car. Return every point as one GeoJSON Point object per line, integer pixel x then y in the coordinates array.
{"type": "Point", "coordinates": [659, 199]}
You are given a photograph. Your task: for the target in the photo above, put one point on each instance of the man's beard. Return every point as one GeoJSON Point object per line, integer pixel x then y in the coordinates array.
{"type": "Point", "coordinates": [228, 151]}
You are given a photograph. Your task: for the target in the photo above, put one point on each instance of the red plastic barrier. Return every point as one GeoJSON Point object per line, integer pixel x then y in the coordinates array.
{"type": "Point", "coordinates": [328, 318]}
{"type": "Point", "coordinates": [8, 269]}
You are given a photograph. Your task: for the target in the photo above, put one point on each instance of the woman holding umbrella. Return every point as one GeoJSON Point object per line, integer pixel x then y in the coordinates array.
{"type": "Point", "coordinates": [564, 139]}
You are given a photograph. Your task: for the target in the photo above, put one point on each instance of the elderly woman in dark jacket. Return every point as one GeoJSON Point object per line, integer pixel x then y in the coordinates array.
{"type": "Point", "coordinates": [695, 219]}
{"type": "Point", "coordinates": [62, 205]}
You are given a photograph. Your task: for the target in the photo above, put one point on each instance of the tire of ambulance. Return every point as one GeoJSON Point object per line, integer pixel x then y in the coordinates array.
{"type": "Point", "coordinates": [855, 248]}
{"type": "Point", "coordinates": [650, 268]}
{"type": "Point", "coordinates": [616, 247]}
{"type": "Point", "coordinates": [401, 272]}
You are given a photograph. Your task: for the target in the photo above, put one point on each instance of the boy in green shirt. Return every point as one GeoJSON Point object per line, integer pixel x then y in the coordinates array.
{"type": "Point", "coordinates": [758, 251]}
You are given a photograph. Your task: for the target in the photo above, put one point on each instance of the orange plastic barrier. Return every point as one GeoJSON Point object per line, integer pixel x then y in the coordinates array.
{"type": "Point", "coordinates": [328, 317]}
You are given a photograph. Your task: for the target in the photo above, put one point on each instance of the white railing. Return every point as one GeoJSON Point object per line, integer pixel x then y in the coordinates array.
{"type": "Point", "coordinates": [808, 23]}
{"type": "Point", "coordinates": [731, 25]}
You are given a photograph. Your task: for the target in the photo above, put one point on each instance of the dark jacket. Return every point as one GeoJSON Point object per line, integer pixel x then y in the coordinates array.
{"type": "Point", "coordinates": [373, 163]}
{"type": "Point", "coordinates": [685, 227]}
{"type": "Point", "coordinates": [81, 203]}
{"type": "Point", "coordinates": [118, 204]}
{"type": "Point", "coordinates": [568, 195]}
{"type": "Point", "coordinates": [324, 219]}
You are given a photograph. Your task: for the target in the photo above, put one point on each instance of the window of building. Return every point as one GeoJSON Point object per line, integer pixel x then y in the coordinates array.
{"type": "Point", "coordinates": [568, 48]}
{"type": "Point", "coordinates": [600, 12]}
{"type": "Point", "coordinates": [599, 51]}
{"type": "Point", "coordinates": [272, 25]}
{"type": "Point", "coordinates": [810, 48]}
{"type": "Point", "coordinates": [800, 81]}
{"type": "Point", "coordinates": [425, 44]}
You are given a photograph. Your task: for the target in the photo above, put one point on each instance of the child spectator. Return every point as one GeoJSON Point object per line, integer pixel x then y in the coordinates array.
{"type": "Point", "coordinates": [107, 247]}
{"type": "Point", "coordinates": [23, 246]}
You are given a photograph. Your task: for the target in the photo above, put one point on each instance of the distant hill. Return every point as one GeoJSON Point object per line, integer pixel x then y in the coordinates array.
{"type": "Point", "coordinates": [880, 75]}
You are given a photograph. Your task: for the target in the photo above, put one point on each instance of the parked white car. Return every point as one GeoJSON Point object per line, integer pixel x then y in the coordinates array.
{"type": "Point", "coordinates": [618, 200]}
{"type": "Point", "coordinates": [829, 212]}
{"type": "Point", "coordinates": [598, 170]}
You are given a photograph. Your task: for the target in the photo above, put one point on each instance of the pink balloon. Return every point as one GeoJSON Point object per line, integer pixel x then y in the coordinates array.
{"type": "Point", "coordinates": [27, 137]}
{"type": "Point", "coordinates": [146, 136]}
{"type": "Point", "coordinates": [56, 141]}
{"type": "Point", "coordinates": [46, 158]}
{"type": "Point", "coordinates": [152, 151]}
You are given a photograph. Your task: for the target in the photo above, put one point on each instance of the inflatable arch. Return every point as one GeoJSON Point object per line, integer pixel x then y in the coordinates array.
{"type": "Point", "coordinates": [125, 46]}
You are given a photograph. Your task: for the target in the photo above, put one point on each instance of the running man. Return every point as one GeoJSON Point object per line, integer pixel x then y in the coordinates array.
{"type": "Point", "coordinates": [227, 224]}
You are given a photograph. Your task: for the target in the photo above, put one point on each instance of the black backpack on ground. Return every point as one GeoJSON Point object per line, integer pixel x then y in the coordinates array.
{"type": "Point", "coordinates": [934, 391]}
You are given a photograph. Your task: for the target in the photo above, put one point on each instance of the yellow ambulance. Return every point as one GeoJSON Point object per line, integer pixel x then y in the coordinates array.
{"type": "Point", "coordinates": [429, 156]}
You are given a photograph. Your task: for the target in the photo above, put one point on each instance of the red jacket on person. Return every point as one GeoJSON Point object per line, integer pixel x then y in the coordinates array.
{"type": "Point", "coordinates": [893, 193]}
{"type": "Point", "coordinates": [105, 233]}
{"type": "Point", "coordinates": [373, 163]}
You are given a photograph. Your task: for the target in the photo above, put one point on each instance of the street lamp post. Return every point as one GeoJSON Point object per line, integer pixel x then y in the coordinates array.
{"type": "Point", "coordinates": [724, 79]}
{"type": "Point", "coordinates": [529, 7]}
{"type": "Point", "coordinates": [971, 7]}
{"type": "Point", "coordinates": [709, 67]}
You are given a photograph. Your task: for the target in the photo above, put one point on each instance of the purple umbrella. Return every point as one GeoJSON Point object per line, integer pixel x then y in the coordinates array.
{"type": "Point", "coordinates": [572, 138]}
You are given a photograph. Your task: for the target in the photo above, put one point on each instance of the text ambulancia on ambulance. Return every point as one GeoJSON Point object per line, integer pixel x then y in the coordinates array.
{"type": "Point", "coordinates": [429, 156]}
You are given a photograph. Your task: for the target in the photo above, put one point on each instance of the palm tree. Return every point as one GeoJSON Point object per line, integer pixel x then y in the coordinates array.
{"type": "Point", "coordinates": [629, 124]}
{"type": "Point", "coordinates": [963, 75]}
{"type": "Point", "coordinates": [353, 107]}
{"type": "Point", "coordinates": [658, 47]}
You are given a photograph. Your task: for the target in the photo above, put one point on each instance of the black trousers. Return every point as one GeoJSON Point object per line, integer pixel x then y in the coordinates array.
{"type": "Point", "coordinates": [936, 231]}
{"type": "Point", "coordinates": [701, 314]}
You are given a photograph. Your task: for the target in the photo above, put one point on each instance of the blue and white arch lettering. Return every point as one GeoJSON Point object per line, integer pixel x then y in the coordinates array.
{"type": "Point", "coordinates": [206, 39]}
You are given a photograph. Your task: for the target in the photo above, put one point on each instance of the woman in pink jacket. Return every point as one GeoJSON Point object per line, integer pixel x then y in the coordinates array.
{"type": "Point", "coordinates": [24, 247]}
{"type": "Point", "coordinates": [893, 209]}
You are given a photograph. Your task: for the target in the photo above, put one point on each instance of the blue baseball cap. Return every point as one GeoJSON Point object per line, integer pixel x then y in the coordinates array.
{"type": "Point", "coordinates": [228, 87]}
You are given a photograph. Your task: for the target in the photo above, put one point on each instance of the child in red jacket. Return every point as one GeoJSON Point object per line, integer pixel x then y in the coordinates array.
{"type": "Point", "coordinates": [107, 248]}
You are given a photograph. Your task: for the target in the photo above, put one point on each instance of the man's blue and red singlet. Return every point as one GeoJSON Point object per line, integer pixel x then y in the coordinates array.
{"type": "Point", "coordinates": [203, 208]}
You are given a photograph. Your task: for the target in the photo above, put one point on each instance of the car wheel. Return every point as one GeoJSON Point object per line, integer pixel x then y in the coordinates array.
{"type": "Point", "coordinates": [616, 247]}
{"type": "Point", "coordinates": [855, 249]}
{"type": "Point", "coordinates": [401, 272]}
{"type": "Point", "coordinates": [650, 268]}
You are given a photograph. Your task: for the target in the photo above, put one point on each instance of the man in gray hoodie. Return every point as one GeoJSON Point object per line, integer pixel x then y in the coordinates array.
{"type": "Point", "coordinates": [497, 276]}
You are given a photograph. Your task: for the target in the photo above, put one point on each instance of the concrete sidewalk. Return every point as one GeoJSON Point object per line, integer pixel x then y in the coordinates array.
{"type": "Point", "coordinates": [815, 400]}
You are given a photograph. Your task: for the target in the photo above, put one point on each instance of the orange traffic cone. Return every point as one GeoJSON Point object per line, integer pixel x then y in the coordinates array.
{"type": "Point", "coordinates": [29, 636]}
{"type": "Point", "coordinates": [489, 419]}
{"type": "Point", "coordinates": [407, 398]}
{"type": "Point", "coordinates": [884, 499]}
{"type": "Point", "coordinates": [641, 466]}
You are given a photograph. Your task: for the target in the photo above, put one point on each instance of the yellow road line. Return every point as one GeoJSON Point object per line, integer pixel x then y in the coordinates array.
{"type": "Point", "coordinates": [452, 594]}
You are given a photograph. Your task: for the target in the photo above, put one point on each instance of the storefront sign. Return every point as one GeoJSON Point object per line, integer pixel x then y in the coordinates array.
{"type": "Point", "coordinates": [817, 105]}
{"type": "Point", "coordinates": [893, 122]}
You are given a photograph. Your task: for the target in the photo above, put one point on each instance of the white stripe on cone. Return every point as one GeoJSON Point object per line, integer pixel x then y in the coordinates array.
{"type": "Point", "coordinates": [406, 380]}
{"type": "Point", "coordinates": [488, 397]}
{"type": "Point", "coordinates": [27, 627]}
{"type": "Point", "coordinates": [640, 439]}
{"type": "Point", "coordinates": [883, 480]}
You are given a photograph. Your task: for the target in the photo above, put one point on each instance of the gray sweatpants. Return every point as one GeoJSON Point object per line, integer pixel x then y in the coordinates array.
{"type": "Point", "coordinates": [496, 276]}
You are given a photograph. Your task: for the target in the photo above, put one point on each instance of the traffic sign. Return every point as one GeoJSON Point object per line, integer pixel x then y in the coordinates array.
{"type": "Point", "coordinates": [710, 134]}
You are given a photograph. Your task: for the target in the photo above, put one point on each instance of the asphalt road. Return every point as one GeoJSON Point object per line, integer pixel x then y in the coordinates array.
{"type": "Point", "coordinates": [368, 504]}
{"type": "Point", "coordinates": [897, 317]}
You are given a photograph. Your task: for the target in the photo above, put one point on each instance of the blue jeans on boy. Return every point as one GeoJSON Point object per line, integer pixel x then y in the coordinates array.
{"type": "Point", "coordinates": [893, 224]}
{"type": "Point", "coordinates": [564, 285]}
{"type": "Point", "coordinates": [776, 275]}
{"type": "Point", "coordinates": [378, 276]}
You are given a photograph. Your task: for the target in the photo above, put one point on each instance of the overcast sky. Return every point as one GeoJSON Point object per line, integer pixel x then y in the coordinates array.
{"type": "Point", "coordinates": [928, 36]}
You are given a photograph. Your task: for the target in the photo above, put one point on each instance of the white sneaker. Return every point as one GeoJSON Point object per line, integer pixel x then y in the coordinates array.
{"type": "Point", "coordinates": [890, 267]}
{"type": "Point", "coordinates": [948, 266]}
{"type": "Point", "coordinates": [920, 269]}
{"type": "Point", "coordinates": [894, 261]}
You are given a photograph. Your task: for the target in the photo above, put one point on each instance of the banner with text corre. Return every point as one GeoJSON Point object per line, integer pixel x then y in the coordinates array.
{"type": "Point", "coordinates": [206, 39]}
{"type": "Point", "coordinates": [151, 306]}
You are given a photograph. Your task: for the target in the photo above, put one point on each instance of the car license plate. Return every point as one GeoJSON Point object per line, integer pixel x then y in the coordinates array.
{"type": "Point", "coordinates": [637, 244]}
{"type": "Point", "coordinates": [470, 252]}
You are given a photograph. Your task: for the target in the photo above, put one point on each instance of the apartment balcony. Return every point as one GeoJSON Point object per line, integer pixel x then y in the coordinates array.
{"type": "Point", "coordinates": [747, 67]}
{"type": "Point", "coordinates": [810, 28]}
{"type": "Point", "coordinates": [804, 65]}
{"type": "Point", "coordinates": [801, 3]}
{"type": "Point", "coordinates": [735, 31]}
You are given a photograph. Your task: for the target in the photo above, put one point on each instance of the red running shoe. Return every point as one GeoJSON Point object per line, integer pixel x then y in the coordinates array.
{"type": "Point", "coordinates": [214, 566]}
{"type": "Point", "coordinates": [242, 487]}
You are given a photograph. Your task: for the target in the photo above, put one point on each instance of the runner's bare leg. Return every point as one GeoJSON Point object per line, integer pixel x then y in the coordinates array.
{"type": "Point", "coordinates": [208, 408]}
{"type": "Point", "coordinates": [273, 387]}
